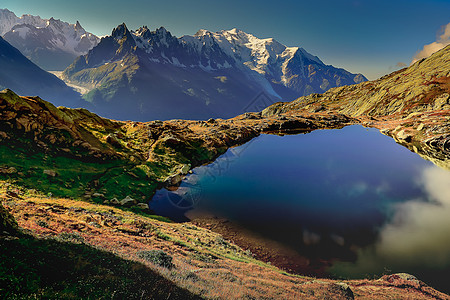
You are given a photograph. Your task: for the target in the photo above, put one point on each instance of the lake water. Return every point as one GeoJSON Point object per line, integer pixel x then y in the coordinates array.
{"type": "Point", "coordinates": [351, 197]}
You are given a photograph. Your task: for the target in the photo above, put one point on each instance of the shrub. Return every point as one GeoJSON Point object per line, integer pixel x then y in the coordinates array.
{"type": "Point", "coordinates": [72, 237]}
{"type": "Point", "coordinates": [158, 257]}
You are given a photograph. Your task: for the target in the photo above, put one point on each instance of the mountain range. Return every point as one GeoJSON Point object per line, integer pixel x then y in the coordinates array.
{"type": "Point", "coordinates": [51, 44]}
{"type": "Point", "coordinates": [18, 73]}
{"type": "Point", "coordinates": [144, 74]}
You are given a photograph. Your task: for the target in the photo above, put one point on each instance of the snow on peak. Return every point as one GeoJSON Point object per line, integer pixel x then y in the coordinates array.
{"type": "Point", "coordinates": [202, 32]}
{"type": "Point", "coordinates": [70, 38]}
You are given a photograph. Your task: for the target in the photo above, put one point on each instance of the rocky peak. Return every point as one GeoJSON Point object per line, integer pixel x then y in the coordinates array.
{"type": "Point", "coordinates": [234, 31]}
{"type": "Point", "coordinates": [7, 20]}
{"type": "Point", "coordinates": [202, 32]}
{"type": "Point", "coordinates": [301, 53]}
{"type": "Point", "coordinates": [162, 31]}
{"type": "Point", "coordinates": [78, 26]}
{"type": "Point", "coordinates": [120, 31]}
{"type": "Point", "coordinates": [143, 32]}
{"type": "Point", "coordinates": [164, 36]}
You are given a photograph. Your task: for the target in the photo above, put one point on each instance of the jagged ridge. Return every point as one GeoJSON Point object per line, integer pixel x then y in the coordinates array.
{"type": "Point", "coordinates": [201, 76]}
{"type": "Point", "coordinates": [51, 44]}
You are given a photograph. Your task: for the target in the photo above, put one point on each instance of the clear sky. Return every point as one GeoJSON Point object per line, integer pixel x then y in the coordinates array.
{"type": "Point", "coordinates": [369, 37]}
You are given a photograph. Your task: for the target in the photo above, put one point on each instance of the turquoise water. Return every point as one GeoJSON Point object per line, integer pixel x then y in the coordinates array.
{"type": "Point", "coordinates": [350, 197]}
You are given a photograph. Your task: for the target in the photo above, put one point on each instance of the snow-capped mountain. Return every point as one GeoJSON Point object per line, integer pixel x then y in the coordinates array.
{"type": "Point", "coordinates": [146, 74]}
{"type": "Point", "coordinates": [51, 44]}
{"type": "Point", "coordinates": [292, 67]}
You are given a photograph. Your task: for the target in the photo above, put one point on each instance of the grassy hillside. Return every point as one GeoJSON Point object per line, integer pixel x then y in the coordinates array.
{"type": "Point", "coordinates": [79, 250]}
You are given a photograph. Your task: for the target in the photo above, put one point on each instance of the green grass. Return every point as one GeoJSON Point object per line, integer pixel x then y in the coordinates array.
{"type": "Point", "coordinates": [73, 176]}
{"type": "Point", "coordinates": [51, 269]}
{"type": "Point", "coordinates": [113, 179]}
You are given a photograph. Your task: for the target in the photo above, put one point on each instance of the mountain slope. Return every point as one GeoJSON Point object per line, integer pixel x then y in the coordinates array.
{"type": "Point", "coordinates": [145, 74]}
{"type": "Point", "coordinates": [20, 74]}
{"type": "Point", "coordinates": [424, 86]}
{"type": "Point", "coordinates": [51, 44]}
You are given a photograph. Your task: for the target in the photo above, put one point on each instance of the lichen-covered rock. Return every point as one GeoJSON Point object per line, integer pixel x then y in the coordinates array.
{"type": "Point", "coordinates": [114, 201]}
{"type": "Point", "coordinates": [50, 173]}
{"type": "Point", "coordinates": [403, 279]}
{"type": "Point", "coordinates": [143, 206]}
{"type": "Point", "coordinates": [127, 201]}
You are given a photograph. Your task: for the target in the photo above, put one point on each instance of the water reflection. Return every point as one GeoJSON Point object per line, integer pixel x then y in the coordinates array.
{"type": "Point", "coordinates": [352, 198]}
{"type": "Point", "coordinates": [416, 239]}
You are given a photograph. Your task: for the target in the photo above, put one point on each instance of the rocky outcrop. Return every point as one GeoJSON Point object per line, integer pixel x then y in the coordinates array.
{"type": "Point", "coordinates": [51, 129]}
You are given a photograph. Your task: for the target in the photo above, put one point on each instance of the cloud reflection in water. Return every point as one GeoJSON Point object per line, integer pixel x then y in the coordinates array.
{"type": "Point", "coordinates": [416, 238]}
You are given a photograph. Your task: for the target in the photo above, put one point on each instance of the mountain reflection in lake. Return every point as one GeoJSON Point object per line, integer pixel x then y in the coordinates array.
{"type": "Point", "coordinates": [351, 197]}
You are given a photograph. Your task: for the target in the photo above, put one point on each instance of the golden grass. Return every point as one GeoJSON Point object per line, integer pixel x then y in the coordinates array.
{"type": "Point", "coordinates": [204, 263]}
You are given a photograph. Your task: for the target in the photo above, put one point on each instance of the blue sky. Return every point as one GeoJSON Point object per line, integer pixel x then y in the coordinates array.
{"type": "Point", "coordinates": [368, 37]}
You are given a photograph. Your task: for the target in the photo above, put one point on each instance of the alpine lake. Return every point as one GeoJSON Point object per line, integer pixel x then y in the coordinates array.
{"type": "Point", "coordinates": [351, 199]}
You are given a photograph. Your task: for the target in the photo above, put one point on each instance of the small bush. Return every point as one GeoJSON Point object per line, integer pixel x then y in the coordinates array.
{"type": "Point", "coordinates": [158, 257]}
{"type": "Point", "coordinates": [72, 237]}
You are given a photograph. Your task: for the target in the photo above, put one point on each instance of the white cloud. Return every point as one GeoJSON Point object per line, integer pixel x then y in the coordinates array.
{"type": "Point", "coordinates": [416, 238]}
{"type": "Point", "coordinates": [442, 41]}
{"type": "Point", "coordinates": [421, 230]}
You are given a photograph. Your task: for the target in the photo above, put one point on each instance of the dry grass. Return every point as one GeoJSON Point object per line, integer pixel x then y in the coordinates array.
{"type": "Point", "coordinates": [204, 263]}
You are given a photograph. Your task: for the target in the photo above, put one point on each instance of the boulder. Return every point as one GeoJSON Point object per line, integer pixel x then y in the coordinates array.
{"type": "Point", "coordinates": [113, 140]}
{"type": "Point", "coordinates": [403, 279]}
{"type": "Point", "coordinates": [173, 180]}
{"type": "Point", "coordinates": [404, 136]}
{"type": "Point", "coordinates": [185, 169]}
{"type": "Point", "coordinates": [114, 201]}
{"type": "Point", "coordinates": [127, 201]}
{"type": "Point", "coordinates": [8, 170]}
{"type": "Point", "coordinates": [50, 173]}
{"type": "Point", "coordinates": [143, 206]}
